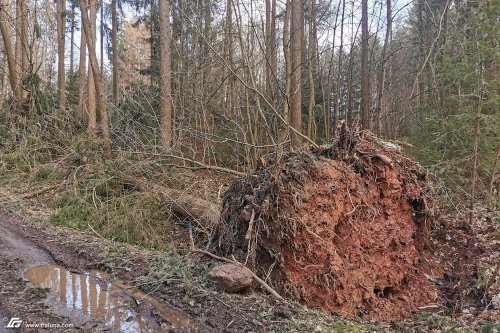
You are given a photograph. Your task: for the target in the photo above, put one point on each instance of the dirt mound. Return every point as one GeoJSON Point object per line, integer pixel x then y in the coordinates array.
{"type": "Point", "coordinates": [341, 229]}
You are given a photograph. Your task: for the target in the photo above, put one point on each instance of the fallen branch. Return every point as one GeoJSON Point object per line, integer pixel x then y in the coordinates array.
{"type": "Point", "coordinates": [44, 190]}
{"type": "Point", "coordinates": [97, 234]}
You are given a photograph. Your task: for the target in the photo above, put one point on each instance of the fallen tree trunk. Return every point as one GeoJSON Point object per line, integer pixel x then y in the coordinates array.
{"type": "Point", "coordinates": [204, 213]}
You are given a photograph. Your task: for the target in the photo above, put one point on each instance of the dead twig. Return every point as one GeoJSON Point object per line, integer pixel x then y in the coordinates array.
{"type": "Point", "coordinates": [200, 165]}
{"type": "Point", "coordinates": [44, 190]}
{"type": "Point", "coordinates": [97, 234]}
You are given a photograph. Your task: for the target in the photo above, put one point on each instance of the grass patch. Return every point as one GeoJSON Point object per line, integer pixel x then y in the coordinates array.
{"type": "Point", "coordinates": [47, 173]}
{"type": "Point", "coordinates": [135, 218]}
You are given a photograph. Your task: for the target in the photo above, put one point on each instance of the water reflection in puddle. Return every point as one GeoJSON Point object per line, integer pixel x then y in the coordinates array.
{"type": "Point", "coordinates": [113, 303]}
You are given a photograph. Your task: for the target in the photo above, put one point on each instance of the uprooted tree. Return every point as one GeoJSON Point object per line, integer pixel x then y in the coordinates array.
{"type": "Point", "coordinates": [341, 228]}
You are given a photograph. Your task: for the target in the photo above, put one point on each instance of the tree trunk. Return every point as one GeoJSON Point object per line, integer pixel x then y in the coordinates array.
{"type": "Point", "coordinates": [311, 124]}
{"type": "Point", "coordinates": [19, 47]}
{"type": "Point", "coordinates": [3, 71]}
{"type": "Point", "coordinates": [102, 36]}
{"type": "Point", "coordinates": [154, 58]}
{"type": "Point", "coordinates": [99, 81]}
{"type": "Point", "coordinates": [349, 113]}
{"type": "Point", "coordinates": [61, 36]}
{"type": "Point", "coordinates": [114, 42]}
{"type": "Point", "coordinates": [383, 70]}
{"type": "Point", "coordinates": [297, 28]}
{"type": "Point", "coordinates": [228, 55]}
{"type": "Point", "coordinates": [271, 59]}
{"type": "Point", "coordinates": [365, 71]}
{"type": "Point", "coordinates": [9, 52]}
{"type": "Point", "coordinates": [336, 111]}
{"type": "Point", "coordinates": [330, 83]}
{"type": "Point", "coordinates": [165, 74]}
{"type": "Point", "coordinates": [288, 72]}
{"type": "Point", "coordinates": [91, 86]}
{"type": "Point", "coordinates": [274, 49]}
{"type": "Point", "coordinates": [81, 73]}
{"type": "Point", "coordinates": [473, 179]}
{"type": "Point", "coordinates": [25, 46]}
{"type": "Point", "coordinates": [72, 47]}
{"type": "Point", "coordinates": [421, 52]}
{"type": "Point", "coordinates": [200, 211]}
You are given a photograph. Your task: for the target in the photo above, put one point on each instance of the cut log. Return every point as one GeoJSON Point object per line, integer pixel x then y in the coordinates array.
{"type": "Point", "coordinates": [204, 213]}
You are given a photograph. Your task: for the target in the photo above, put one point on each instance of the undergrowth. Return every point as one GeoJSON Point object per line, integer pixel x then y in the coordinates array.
{"type": "Point", "coordinates": [66, 172]}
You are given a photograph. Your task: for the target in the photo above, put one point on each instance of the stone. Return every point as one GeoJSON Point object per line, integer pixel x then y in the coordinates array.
{"type": "Point", "coordinates": [231, 277]}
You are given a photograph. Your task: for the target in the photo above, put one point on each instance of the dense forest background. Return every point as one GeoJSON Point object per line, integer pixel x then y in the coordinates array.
{"type": "Point", "coordinates": [145, 87]}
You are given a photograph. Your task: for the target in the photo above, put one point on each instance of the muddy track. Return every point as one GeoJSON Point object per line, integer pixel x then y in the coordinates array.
{"type": "Point", "coordinates": [16, 246]}
{"type": "Point", "coordinates": [80, 300]}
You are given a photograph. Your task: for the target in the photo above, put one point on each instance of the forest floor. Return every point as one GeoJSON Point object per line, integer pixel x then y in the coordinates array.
{"type": "Point", "coordinates": [183, 300]}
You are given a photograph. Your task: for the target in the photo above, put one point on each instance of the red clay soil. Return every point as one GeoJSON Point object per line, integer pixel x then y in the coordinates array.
{"type": "Point", "coordinates": [341, 229]}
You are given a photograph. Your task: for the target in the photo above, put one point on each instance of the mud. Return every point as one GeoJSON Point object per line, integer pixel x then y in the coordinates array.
{"type": "Point", "coordinates": [15, 246]}
{"type": "Point", "coordinates": [118, 305]}
{"type": "Point", "coordinates": [88, 300]}
{"type": "Point", "coordinates": [341, 229]}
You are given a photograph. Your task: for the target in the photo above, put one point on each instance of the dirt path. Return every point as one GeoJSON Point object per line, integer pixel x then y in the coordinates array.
{"type": "Point", "coordinates": [17, 247]}
{"type": "Point", "coordinates": [84, 301]}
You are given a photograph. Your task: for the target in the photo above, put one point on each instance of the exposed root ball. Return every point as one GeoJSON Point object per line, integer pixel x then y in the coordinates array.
{"type": "Point", "coordinates": [342, 229]}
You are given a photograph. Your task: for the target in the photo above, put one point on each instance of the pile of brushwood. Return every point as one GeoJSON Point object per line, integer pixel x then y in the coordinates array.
{"type": "Point", "coordinates": [342, 228]}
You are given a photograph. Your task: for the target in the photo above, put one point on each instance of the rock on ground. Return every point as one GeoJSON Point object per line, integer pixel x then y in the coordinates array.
{"type": "Point", "coordinates": [231, 277]}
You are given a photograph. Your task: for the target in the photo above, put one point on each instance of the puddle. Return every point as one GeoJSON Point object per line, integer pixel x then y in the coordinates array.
{"type": "Point", "coordinates": [115, 304]}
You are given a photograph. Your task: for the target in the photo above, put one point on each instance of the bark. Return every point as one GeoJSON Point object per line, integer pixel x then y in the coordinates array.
{"type": "Point", "coordinates": [81, 74]}
{"type": "Point", "coordinates": [268, 48]}
{"type": "Point", "coordinates": [99, 81]}
{"type": "Point", "coordinates": [297, 28]}
{"type": "Point", "coordinates": [311, 124]}
{"type": "Point", "coordinates": [25, 46]}
{"type": "Point", "coordinates": [114, 42]}
{"type": "Point", "coordinates": [153, 56]}
{"type": "Point", "coordinates": [102, 36]}
{"type": "Point", "coordinates": [3, 71]}
{"type": "Point", "coordinates": [9, 52]}
{"type": "Point", "coordinates": [336, 110]}
{"type": "Point", "coordinates": [477, 138]}
{"type": "Point", "coordinates": [365, 71]}
{"type": "Point", "coordinates": [330, 84]}
{"type": "Point", "coordinates": [91, 86]}
{"type": "Point", "coordinates": [72, 46]}
{"type": "Point", "coordinates": [19, 46]}
{"type": "Point", "coordinates": [349, 109]}
{"type": "Point", "coordinates": [271, 59]}
{"type": "Point", "coordinates": [61, 36]}
{"type": "Point", "coordinates": [207, 40]}
{"type": "Point", "coordinates": [288, 70]}
{"type": "Point", "coordinates": [474, 176]}
{"type": "Point", "coordinates": [421, 51]}
{"type": "Point", "coordinates": [274, 55]}
{"type": "Point", "coordinates": [385, 50]}
{"type": "Point", "coordinates": [165, 75]}
{"type": "Point", "coordinates": [228, 54]}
